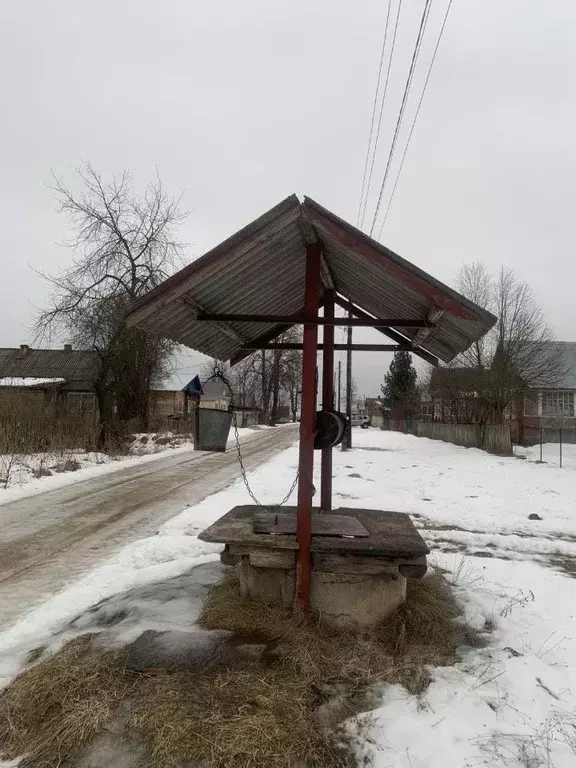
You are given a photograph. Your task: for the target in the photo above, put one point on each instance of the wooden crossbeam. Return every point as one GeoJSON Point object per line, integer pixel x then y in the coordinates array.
{"type": "Point", "coordinates": [302, 320]}
{"type": "Point", "coordinates": [433, 317]}
{"type": "Point", "coordinates": [389, 332]}
{"type": "Point", "coordinates": [340, 347]}
{"type": "Point", "coordinates": [224, 328]}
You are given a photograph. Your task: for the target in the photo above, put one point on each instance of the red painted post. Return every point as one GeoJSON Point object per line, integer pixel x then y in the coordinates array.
{"type": "Point", "coordinates": [307, 426]}
{"type": "Point", "coordinates": [327, 399]}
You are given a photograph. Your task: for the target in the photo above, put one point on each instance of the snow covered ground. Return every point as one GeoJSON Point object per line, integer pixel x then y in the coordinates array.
{"type": "Point", "coordinates": [551, 454]}
{"type": "Point", "coordinates": [512, 703]}
{"type": "Point", "coordinates": [28, 474]}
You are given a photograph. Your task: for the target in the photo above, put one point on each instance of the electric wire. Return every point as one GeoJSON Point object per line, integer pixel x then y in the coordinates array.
{"type": "Point", "coordinates": [407, 87]}
{"type": "Point", "coordinates": [374, 107]}
{"type": "Point", "coordinates": [416, 116]}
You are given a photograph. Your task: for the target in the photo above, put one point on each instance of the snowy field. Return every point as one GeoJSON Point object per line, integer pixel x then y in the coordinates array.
{"type": "Point", "coordinates": [28, 474]}
{"type": "Point", "coordinates": [512, 703]}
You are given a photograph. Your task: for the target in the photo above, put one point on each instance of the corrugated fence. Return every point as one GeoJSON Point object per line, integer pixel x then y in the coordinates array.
{"type": "Point", "coordinates": [494, 438]}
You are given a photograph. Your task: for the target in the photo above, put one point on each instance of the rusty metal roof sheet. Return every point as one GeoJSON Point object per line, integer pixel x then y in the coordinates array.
{"type": "Point", "coordinates": [260, 270]}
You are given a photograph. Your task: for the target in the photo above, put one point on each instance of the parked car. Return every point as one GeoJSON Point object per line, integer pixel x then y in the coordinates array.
{"type": "Point", "coordinates": [360, 420]}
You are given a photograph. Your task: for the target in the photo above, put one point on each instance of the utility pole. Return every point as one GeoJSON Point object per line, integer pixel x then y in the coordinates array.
{"type": "Point", "coordinates": [339, 382]}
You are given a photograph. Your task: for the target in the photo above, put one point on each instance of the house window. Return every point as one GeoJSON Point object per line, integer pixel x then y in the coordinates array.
{"type": "Point", "coordinates": [558, 403]}
{"type": "Point", "coordinates": [427, 409]}
{"type": "Point", "coordinates": [81, 402]}
{"type": "Point", "coordinates": [530, 406]}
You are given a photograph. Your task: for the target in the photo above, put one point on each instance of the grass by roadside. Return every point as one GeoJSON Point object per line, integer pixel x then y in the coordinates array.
{"type": "Point", "coordinates": [285, 709]}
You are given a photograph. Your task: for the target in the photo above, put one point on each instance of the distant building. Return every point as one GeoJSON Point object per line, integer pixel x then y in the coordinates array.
{"type": "Point", "coordinates": [63, 378]}
{"type": "Point", "coordinates": [374, 411]}
{"type": "Point", "coordinates": [216, 395]}
{"type": "Point", "coordinates": [454, 398]}
{"type": "Point", "coordinates": [550, 407]}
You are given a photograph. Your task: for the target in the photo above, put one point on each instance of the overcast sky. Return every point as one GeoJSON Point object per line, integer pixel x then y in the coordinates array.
{"type": "Point", "coordinates": [240, 103]}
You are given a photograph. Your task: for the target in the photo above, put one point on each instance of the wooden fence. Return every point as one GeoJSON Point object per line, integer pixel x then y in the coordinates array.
{"type": "Point", "coordinates": [494, 438]}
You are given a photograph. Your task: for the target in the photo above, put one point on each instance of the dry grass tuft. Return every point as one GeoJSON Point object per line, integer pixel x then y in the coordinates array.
{"type": "Point", "coordinates": [236, 719]}
{"type": "Point", "coordinates": [420, 633]}
{"type": "Point", "coordinates": [58, 705]}
{"type": "Point", "coordinates": [264, 716]}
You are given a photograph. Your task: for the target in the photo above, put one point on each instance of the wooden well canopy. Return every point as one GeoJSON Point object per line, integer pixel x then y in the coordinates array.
{"type": "Point", "coordinates": [278, 272]}
{"type": "Point", "coordinates": [242, 294]}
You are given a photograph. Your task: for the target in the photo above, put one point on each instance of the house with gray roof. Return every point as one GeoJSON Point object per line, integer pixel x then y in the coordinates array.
{"type": "Point", "coordinates": [551, 407]}
{"type": "Point", "coordinates": [65, 376]}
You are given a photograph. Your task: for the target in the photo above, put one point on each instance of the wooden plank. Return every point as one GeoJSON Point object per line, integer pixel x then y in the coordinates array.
{"type": "Point", "coordinates": [272, 558]}
{"type": "Point", "coordinates": [414, 570]}
{"type": "Point", "coordinates": [328, 562]}
{"type": "Point", "coordinates": [434, 317]}
{"type": "Point", "coordinates": [322, 525]}
{"type": "Point", "coordinates": [392, 534]}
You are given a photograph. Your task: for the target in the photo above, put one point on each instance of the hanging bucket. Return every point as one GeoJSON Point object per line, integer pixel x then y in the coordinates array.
{"type": "Point", "coordinates": [213, 429]}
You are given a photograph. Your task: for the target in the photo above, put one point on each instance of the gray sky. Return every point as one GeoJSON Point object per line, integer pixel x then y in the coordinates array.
{"type": "Point", "coordinates": [243, 103]}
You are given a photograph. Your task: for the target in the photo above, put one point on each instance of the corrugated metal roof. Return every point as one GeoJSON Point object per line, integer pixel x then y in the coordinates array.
{"type": "Point", "coordinates": [79, 367]}
{"type": "Point", "coordinates": [260, 270]}
{"type": "Point", "coordinates": [568, 350]}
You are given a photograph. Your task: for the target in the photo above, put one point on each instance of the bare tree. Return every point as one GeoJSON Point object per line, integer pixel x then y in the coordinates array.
{"type": "Point", "coordinates": [124, 244]}
{"type": "Point", "coordinates": [291, 380]}
{"type": "Point", "coordinates": [519, 353]}
{"type": "Point", "coordinates": [475, 282]}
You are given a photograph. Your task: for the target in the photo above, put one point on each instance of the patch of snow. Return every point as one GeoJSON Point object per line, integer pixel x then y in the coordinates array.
{"type": "Point", "coordinates": [550, 454]}
{"type": "Point", "coordinates": [14, 381]}
{"type": "Point", "coordinates": [30, 474]}
{"type": "Point", "coordinates": [510, 703]}
{"type": "Point", "coordinates": [173, 551]}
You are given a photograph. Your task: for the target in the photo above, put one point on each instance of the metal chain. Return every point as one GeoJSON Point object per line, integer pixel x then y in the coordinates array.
{"type": "Point", "coordinates": [219, 375]}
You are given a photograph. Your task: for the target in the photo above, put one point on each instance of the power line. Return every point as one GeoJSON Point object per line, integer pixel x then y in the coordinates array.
{"type": "Point", "coordinates": [381, 112]}
{"type": "Point", "coordinates": [416, 115]}
{"type": "Point", "coordinates": [415, 55]}
{"type": "Point", "coordinates": [373, 119]}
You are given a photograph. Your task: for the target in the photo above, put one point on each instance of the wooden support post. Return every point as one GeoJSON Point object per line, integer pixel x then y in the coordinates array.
{"type": "Point", "coordinates": [347, 441]}
{"type": "Point", "coordinates": [307, 428]}
{"type": "Point", "coordinates": [196, 407]}
{"type": "Point", "coordinates": [327, 398]}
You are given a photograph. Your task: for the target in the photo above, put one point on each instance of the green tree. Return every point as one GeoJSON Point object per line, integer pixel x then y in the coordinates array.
{"type": "Point", "coordinates": [400, 381]}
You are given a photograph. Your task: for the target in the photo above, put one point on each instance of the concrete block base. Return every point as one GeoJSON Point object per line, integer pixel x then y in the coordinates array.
{"type": "Point", "coordinates": [348, 601]}
{"type": "Point", "coordinates": [341, 600]}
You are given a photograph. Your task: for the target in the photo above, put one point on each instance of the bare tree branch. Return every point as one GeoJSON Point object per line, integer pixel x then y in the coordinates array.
{"type": "Point", "coordinates": [124, 244]}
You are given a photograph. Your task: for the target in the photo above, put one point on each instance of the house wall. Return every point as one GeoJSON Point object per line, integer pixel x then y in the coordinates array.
{"type": "Point", "coordinates": [220, 404]}
{"type": "Point", "coordinates": [533, 418]}
{"type": "Point", "coordinates": [165, 402]}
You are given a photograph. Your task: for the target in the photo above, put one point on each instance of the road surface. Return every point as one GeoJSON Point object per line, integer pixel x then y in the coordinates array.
{"type": "Point", "coordinates": [52, 538]}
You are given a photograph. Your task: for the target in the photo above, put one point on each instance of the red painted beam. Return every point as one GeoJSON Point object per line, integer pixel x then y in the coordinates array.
{"type": "Point", "coordinates": [307, 427]}
{"type": "Point", "coordinates": [327, 398]}
{"type": "Point", "coordinates": [347, 305]}
{"type": "Point", "coordinates": [302, 318]}
{"type": "Point", "coordinates": [249, 348]}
